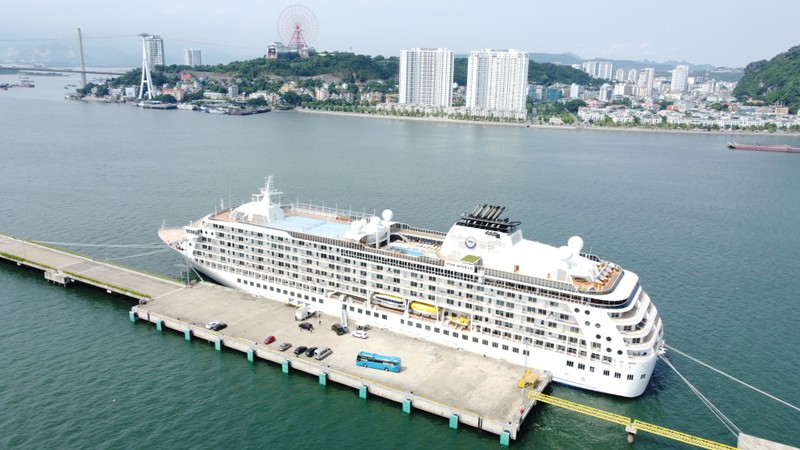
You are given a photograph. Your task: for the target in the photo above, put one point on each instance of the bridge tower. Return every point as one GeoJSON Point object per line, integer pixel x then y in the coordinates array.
{"type": "Point", "coordinates": [83, 66]}
{"type": "Point", "coordinates": [145, 70]}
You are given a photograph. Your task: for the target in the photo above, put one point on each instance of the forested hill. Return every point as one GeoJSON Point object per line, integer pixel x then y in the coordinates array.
{"type": "Point", "coordinates": [352, 67]}
{"type": "Point", "coordinates": [777, 80]}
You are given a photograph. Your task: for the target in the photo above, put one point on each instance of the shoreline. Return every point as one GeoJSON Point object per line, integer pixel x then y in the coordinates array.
{"type": "Point", "coordinates": [551, 127]}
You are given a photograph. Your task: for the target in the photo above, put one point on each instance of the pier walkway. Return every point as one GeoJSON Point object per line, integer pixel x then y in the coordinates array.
{"type": "Point", "coordinates": [464, 387]}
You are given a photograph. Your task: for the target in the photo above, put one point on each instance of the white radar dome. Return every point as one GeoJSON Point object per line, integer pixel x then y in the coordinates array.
{"type": "Point", "coordinates": [356, 226]}
{"type": "Point", "coordinates": [564, 253]}
{"type": "Point", "coordinates": [387, 215]}
{"type": "Point", "coordinates": [576, 244]}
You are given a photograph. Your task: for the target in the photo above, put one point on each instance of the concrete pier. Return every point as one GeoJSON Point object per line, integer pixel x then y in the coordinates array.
{"type": "Point", "coordinates": [462, 387]}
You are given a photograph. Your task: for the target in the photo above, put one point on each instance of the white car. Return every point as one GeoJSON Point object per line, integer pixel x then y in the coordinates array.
{"type": "Point", "coordinates": [360, 334]}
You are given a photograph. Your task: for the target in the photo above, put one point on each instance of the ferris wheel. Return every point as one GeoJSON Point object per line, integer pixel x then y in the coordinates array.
{"type": "Point", "coordinates": [297, 27]}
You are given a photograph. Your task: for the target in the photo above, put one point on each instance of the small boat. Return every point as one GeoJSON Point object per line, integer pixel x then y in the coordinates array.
{"type": "Point", "coordinates": [781, 148]}
{"type": "Point", "coordinates": [389, 301]}
{"type": "Point", "coordinates": [424, 308]}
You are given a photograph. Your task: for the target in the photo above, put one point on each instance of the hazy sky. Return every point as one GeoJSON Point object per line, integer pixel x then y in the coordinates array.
{"type": "Point", "coordinates": [732, 33]}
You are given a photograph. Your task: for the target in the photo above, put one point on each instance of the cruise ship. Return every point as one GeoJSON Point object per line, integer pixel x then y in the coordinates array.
{"type": "Point", "coordinates": [480, 287]}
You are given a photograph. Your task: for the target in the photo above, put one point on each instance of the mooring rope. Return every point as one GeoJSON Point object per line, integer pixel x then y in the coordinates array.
{"type": "Point", "coordinates": [140, 254]}
{"type": "Point", "coordinates": [734, 378]}
{"type": "Point", "coordinates": [722, 417]}
{"type": "Point", "coordinates": [76, 244]}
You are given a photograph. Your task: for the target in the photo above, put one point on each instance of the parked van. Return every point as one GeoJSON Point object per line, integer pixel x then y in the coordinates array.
{"type": "Point", "coordinates": [303, 313]}
{"type": "Point", "coordinates": [338, 329]}
{"type": "Point", "coordinates": [322, 352]}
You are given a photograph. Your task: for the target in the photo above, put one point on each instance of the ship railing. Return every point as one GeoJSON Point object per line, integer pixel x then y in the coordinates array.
{"type": "Point", "coordinates": [539, 287]}
{"type": "Point", "coordinates": [335, 213]}
{"type": "Point", "coordinates": [406, 227]}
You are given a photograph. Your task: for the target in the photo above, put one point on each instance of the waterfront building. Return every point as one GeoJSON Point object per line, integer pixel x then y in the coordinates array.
{"type": "Point", "coordinates": [154, 51]}
{"type": "Point", "coordinates": [619, 75]}
{"type": "Point", "coordinates": [426, 77]}
{"type": "Point", "coordinates": [192, 57]}
{"type": "Point", "coordinates": [497, 81]}
{"type": "Point", "coordinates": [680, 78]}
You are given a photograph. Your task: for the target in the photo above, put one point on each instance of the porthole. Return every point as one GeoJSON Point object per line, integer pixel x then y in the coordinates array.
{"type": "Point", "coordinates": [608, 338]}
{"type": "Point", "coordinates": [586, 312]}
{"type": "Point", "coordinates": [577, 310]}
{"type": "Point", "coordinates": [619, 352]}
{"type": "Point", "coordinates": [597, 336]}
{"type": "Point", "coordinates": [608, 349]}
{"type": "Point", "coordinates": [587, 323]}
{"type": "Point", "coordinates": [597, 325]}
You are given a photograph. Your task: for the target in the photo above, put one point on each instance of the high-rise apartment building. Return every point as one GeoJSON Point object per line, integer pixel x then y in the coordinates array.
{"type": "Point", "coordinates": [192, 57]}
{"type": "Point", "coordinates": [647, 77]}
{"type": "Point", "coordinates": [680, 79]}
{"type": "Point", "coordinates": [426, 77]}
{"type": "Point", "coordinates": [590, 67]}
{"type": "Point", "coordinates": [633, 76]}
{"type": "Point", "coordinates": [497, 81]}
{"type": "Point", "coordinates": [604, 70]}
{"type": "Point", "coordinates": [154, 51]}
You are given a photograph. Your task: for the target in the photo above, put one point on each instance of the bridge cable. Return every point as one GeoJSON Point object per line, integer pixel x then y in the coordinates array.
{"type": "Point", "coordinates": [724, 419]}
{"type": "Point", "coordinates": [734, 379]}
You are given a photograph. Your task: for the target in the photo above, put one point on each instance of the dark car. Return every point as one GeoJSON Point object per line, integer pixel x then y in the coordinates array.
{"type": "Point", "coordinates": [216, 326]}
{"type": "Point", "coordinates": [269, 340]}
{"type": "Point", "coordinates": [306, 326]}
{"type": "Point", "coordinates": [283, 347]}
{"type": "Point", "coordinates": [338, 329]}
{"type": "Point", "coordinates": [310, 351]}
{"type": "Point", "coordinates": [300, 350]}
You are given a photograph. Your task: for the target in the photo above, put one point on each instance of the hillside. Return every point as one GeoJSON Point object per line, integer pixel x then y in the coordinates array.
{"type": "Point", "coordinates": [777, 80]}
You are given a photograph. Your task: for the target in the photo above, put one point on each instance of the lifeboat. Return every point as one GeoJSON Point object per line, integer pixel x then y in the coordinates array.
{"type": "Point", "coordinates": [463, 321]}
{"type": "Point", "coordinates": [424, 308]}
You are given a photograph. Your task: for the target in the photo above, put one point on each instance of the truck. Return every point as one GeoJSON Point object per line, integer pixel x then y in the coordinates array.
{"type": "Point", "coordinates": [303, 313]}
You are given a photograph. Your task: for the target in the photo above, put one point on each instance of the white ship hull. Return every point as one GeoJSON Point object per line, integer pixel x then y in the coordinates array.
{"type": "Point", "coordinates": [606, 342]}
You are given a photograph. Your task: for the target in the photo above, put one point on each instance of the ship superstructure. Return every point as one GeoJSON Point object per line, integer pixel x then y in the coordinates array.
{"type": "Point", "coordinates": [480, 287]}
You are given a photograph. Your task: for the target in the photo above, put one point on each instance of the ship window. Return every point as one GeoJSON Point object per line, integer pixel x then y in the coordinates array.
{"type": "Point", "coordinates": [577, 309]}
{"type": "Point", "coordinates": [455, 334]}
{"type": "Point", "coordinates": [587, 323]}
{"type": "Point", "coordinates": [617, 375]}
{"type": "Point", "coordinates": [591, 369]}
{"type": "Point", "coordinates": [435, 330]}
{"type": "Point", "coordinates": [581, 366]}
{"type": "Point", "coordinates": [505, 347]}
{"type": "Point", "coordinates": [514, 350]}
{"type": "Point", "coordinates": [446, 333]}
{"type": "Point", "coordinates": [570, 364]}
{"type": "Point", "coordinates": [427, 328]}
{"type": "Point", "coordinates": [630, 377]}
{"type": "Point", "coordinates": [619, 352]}
{"type": "Point", "coordinates": [402, 321]}
{"type": "Point", "coordinates": [606, 373]}
{"type": "Point", "coordinates": [360, 310]}
{"type": "Point", "coordinates": [597, 325]}
{"type": "Point", "coordinates": [383, 316]}
{"type": "Point", "coordinates": [494, 344]}
{"type": "Point", "coordinates": [642, 376]}
{"type": "Point", "coordinates": [485, 342]}
{"type": "Point", "coordinates": [608, 338]}
{"type": "Point", "coordinates": [464, 337]}
{"type": "Point", "coordinates": [475, 340]}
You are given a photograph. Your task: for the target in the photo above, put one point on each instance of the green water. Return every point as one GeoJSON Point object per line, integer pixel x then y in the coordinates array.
{"type": "Point", "coordinates": [711, 232]}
